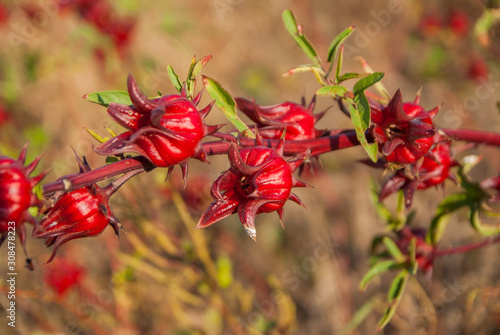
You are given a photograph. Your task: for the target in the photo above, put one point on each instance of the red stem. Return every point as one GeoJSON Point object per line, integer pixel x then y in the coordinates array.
{"type": "Point", "coordinates": [334, 140]}
{"type": "Point", "coordinates": [474, 136]}
{"type": "Point", "coordinates": [316, 146]}
{"type": "Point", "coordinates": [467, 247]}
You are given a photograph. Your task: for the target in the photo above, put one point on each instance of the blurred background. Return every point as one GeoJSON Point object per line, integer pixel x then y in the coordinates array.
{"type": "Point", "coordinates": [164, 277]}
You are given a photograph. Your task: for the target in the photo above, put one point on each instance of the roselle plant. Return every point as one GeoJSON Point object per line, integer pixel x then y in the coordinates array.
{"type": "Point", "coordinates": [399, 136]}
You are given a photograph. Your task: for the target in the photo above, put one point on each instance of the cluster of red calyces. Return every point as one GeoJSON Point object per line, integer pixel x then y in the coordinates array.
{"type": "Point", "coordinates": [432, 170]}
{"type": "Point", "coordinates": [16, 193]}
{"type": "Point", "coordinates": [296, 121]}
{"type": "Point", "coordinates": [424, 252]}
{"type": "Point", "coordinates": [260, 180]}
{"type": "Point", "coordinates": [84, 212]}
{"type": "Point", "coordinates": [100, 14]}
{"type": "Point", "coordinates": [403, 130]}
{"type": "Point", "coordinates": [411, 145]}
{"type": "Point", "coordinates": [167, 130]}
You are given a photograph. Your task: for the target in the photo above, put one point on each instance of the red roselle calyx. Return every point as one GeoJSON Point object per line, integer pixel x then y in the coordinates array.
{"type": "Point", "coordinates": [84, 212]}
{"type": "Point", "coordinates": [16, 193]}
{"type": "Point", "coordinates": [259, 181]}
{"type": "Point", "coordinates": [404, 130]}
{"type": "Point", "coordinates": [166, 130]}
{"type": "Point", "coordinates": [296, 121]}
{"type": "Point", "coordinates": [432, 170]}
{"type": "Point", "coordinates": [424, 253]}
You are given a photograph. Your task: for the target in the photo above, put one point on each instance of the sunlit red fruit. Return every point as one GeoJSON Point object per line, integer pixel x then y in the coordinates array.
{"type": "Point", "coordinates": [16, 193]}
{"type": "Point", "coordinates": [403, 130]}
{"type": "Point", "coordinates": [260, 180]}
{"type": "Point", "coordinates": [296, 121]}
{"type": "Point", "coordinates": [166, 130]}
{"type": "Point", "coordinates": [84, 212]}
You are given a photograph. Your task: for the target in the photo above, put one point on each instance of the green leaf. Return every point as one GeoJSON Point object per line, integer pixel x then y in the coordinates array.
{"type": "Point", "coordinates": [480, 226]}
{"type": "Point", "coordinates": [393, 249]}
{"type": "Point", "coordinates": [412, 250]}
{"type": "Point", "coordinates": [104, 98]}
{"type": "Point", "coordinates": [339, 63]}
{"type": "Point", "coordinates": [332, 90]}
{"type": "Point", "coordinates": [174, 78]}
{"type": "Point", "coordinates": [193, 73]}
{"type": "Point", "coordinates": [360, 124]}
{"type": "Point", "coordinates": [225, 102]}
{"type": "Point", "coordinates": [359, 108]}
{"type": "Point", "coordinates": [295, 31]}
{"type": "Point", "coordinates": [377, 270]}
{"type": "Point", "coordinates": [367, 81]}
{"type": "Point", "coordinates": [305, 68]}
{"type": "Point", "coordinates": [350, 75]}
{"type": "Point", "coordinates": [486, 22]}
{"type": "Point", "coordinates": [394, 297]}
{"type": "Point", "coordinates": [337, 41]}
{"type": "Point", "coordinates": [450, 204]}
{"type": "Point", "coordinates": [358, 317]}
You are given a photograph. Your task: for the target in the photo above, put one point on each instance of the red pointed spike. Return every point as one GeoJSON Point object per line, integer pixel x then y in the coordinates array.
{"type": "Point", "coordinates": [417, 97]}
{"type": "Point", "coordinates": [37, 179]}
{"type": "Point", "coordinates": [433, 112]}
{"type": "Point", "coordinates": [139, 100]}
{"type": "Point", "coordinates": [280, 214]}
{"type": "Point", "coordinates": [312, 103]}
{"type": "Point", "coordinates": [204, 112]}
{"type": "Point", "coordinates": [258, 136]}
{"type": "Point", "coordinates": [217, 211]}
{"type": "Point", "coordinates": [183, 91]}
{"type": "Point", "coordinates": [212, 129]}
{"type": "Point", "coordinates": [392, 185]}
{"type": "Point", "coordinates": [396, 107]}
{"type": "Point", "coordinates": [296, 199]}
{"type": "Point", "coordinates": [389, 146]}
{"type": "Point", "coordinates": [200, 154]}
{"type": "Point", "coordinates": [297, 162]}
{"type": "Point", "coordinates": [300, 183]}
{"type": "Point", "coordinates": [280, 146]}
{"type": "Point", "coordinates": [33, 164]}
{"type": "Point", "coordinates": [408, 191]}
{"type": "Point", "coordinates": [184, 169]}
{"type": "Point", "coordinates": [247, 212]}
{"type": "Point", "coordinates": [169, 173]}
{"type": "Point", "coordinates": [237, 162]}
{"type": "Point", "coordinates": [197, 98]}
{"type": "Point", "coordinates": [22, 154]}
{"type": "Point", "coordinates": [318, 116]}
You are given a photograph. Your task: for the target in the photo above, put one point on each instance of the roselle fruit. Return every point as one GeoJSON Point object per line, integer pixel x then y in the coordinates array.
{"type": "Point", "coordinates": [16, 193]}
{"type": "Point", "coordinates": [403, 130]}
{"type": "Point", "coordinates": [166, 130]}
{"type": "Point", "coordinates": [84, 212]}
{"type": "Point", "coordinates": [296, 121]}
{"type": "Point", "coordinates": [260, 180]}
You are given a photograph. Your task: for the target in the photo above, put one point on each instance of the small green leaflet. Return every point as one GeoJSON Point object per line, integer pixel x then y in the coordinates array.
{"type": "Point", "coordinates": [332, 90]}
{"type": "Point", "coordinates": [104, 98]}
{"type": "Point", "coordinates": [360, 111]}
{"type": "Point", "coordinates": [174, 78]}
{"type": "Point", "coordinates": [295, 31]}
{"type": "Point", "coordinates": [225, 102]}
{"type": "Point", "coordinates": [193, 73]}
{"type": "Point", "coordinates": [377, 270]}
{"type": "Point", "coordinates": [394, 297]}
{"type": "Point", "coordinates": [337, 41]}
